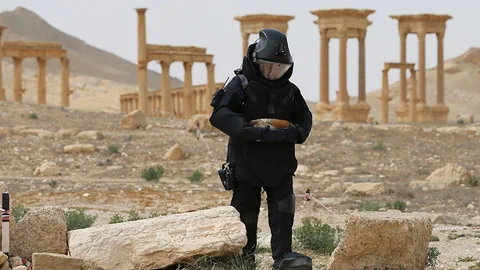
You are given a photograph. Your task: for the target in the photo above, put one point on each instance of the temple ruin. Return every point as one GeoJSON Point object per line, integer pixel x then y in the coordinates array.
{"type": "Point", "coordinates": [253, 23]}
{"type": "Point", "coordinates": [166, 102]}
{"type": "Point", "coordinates": [421, 25]}
{"type": "Point", "coordinates": [42, 51]}
{"type": "Point", "coordinates": [404, 113]}
{"type": "Point", "coordinates": [342, 24]}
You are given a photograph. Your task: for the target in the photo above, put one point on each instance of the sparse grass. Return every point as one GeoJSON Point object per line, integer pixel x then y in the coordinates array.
{"type": "Point", "coordinates": [19, 211]}
{"type": "Point", "coordinates": [434, 238]}
{"type": "Point", "coordinates": [476, 266]}
{"type": "Point", "coordinates": [460, 121]}
{"type": "Point", "coordinates": [369, 206]}
{"type": "Point", "coordinates": [154, 215]}
{"type": "Point", "coordinates": [153, 174]}
{"type": "Point", "coordinates": [398, 205]}
{"type": "Point", "coordinates": [466, 259]}
{"type": "Point", "coordinates": [379, 146]}
{"type": "Point", "coordinates": [473, 181]}
{"type": "Point", "coordinates": [234, 262]}
{"type": "Point", "coordinates": [197, 176]}
{"type": "Point", "coordinates": [432, 258]}
{"type": "Point", "coordinates": [133, 215]}
{"type": "Point", "coordinates": [261, 250]}
{"type": "Point", "coordinates": [116, 219]}
{"type": "Point", "coordinates": [78, 219]}
{"type": "Point", "coordinates": [52, 183]}
{"type": "Point", "coordinates": [32, 116]}
{"type": "Point", "coordinates": [317, 236]}
{"type": "Point", "coordinates": [113, 149]}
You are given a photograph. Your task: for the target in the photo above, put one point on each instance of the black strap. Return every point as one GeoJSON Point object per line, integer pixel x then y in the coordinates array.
{"type": "Point", "coordinates": [288, 97]}
{"type": "Point", "coordinates": [251, 96]}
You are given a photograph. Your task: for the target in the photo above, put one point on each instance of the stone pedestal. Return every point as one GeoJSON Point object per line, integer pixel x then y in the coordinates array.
{"type": "Point", "coordinates": [439, 113]}
{"type": "Point", "coordinates": [402, 113]}
{"type": "Point", "coordinates": [324, 112]}
{"type": "Point", "coordinates": [360, 112]}
{"type": "Point", "coordinates": [423, 113]}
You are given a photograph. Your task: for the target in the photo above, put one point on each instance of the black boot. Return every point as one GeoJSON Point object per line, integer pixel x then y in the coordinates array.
{"type": "Point", "coordinates": [293, 261]}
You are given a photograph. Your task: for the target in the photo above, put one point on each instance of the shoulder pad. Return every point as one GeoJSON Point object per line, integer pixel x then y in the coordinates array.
{"type": "Point", "coordinates": [233, 85]}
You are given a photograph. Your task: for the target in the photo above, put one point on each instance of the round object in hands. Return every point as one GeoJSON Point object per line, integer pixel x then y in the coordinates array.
{"type": "Point", "coordinates": [270, 122]}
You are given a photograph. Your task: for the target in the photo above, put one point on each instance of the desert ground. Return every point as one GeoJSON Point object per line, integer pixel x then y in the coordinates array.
{"type": "Point", "coordinates": [109, 182]}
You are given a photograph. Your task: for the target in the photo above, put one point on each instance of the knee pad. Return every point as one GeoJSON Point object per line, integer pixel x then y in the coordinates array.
{"type": "Point", "coordinates": [284, 205]}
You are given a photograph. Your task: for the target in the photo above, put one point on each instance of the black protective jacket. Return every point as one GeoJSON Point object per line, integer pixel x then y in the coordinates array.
{"type": "Point", "coordinates": [262, 156]}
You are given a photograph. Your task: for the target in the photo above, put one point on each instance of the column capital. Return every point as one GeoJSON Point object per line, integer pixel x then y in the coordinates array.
{"type": "Point", "coordinates": [323, 32]}
{"type": "Point", "coordinates": [422, 34]}
{"type": "Point", "coordinates": [362, 33]}
{"type": "Point", "coordinates": [141, 10]}
{"type": "Point", "coordinates": [165, 64]}
{"type": "Point", "coordinates": [403, 33]}
{"type": "Point", "coordinates": [17, 58]}
{"type": "Point", "coordinates": [188, 66]}
{"type": "Point", "coordinates": [342, 32]}
{"type": "Point", "coordinates": [210, 65]}
{"type": "Point", "coordinates": [65, 60]}
{"type": "Point", "coordinates": [440, 36]}
{"type": "Point", "coordinates": [41, 58]}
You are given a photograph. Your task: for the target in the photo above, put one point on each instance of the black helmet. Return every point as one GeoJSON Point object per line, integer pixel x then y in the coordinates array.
{"type": "Point", "coordinates": [272, 54]}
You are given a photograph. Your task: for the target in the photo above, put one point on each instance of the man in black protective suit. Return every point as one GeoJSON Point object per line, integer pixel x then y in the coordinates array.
{"type": "Point", "coordinates": [264, 157]}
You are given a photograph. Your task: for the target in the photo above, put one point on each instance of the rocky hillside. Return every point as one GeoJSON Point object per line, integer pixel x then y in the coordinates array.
{"type": "Point", "coordinates": [87, 60]}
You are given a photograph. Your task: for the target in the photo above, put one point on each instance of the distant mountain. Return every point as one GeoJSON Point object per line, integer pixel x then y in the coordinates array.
{"type": "Point", "coordinates": [85, 59]}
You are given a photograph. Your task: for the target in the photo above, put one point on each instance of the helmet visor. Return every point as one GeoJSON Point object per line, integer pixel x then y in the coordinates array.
{"type": "Point", "coordinates": [272, 70]}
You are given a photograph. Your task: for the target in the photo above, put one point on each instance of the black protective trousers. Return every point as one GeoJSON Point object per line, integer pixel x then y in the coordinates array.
{"type": "Point", "coordinates": [281, 209]}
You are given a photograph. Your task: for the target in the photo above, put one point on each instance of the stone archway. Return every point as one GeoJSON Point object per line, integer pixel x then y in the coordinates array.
{"type": "Point", "coordinates": [253, 23]}
{"type": "Point", "coordinates": [421, 25]}
{"type": "Point", "coordinates": [404, 113]}
{"type": "Point", "coordinates": [42, 51]}
{"type": "Point", "coordinates": [342, 24]}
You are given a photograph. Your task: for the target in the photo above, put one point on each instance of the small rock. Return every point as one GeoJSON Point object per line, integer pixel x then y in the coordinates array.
{"type": "Point", "coordinates": [104, 162]}
{"type": "Point", "coordinates": [15, 261]}
{"type": "Point", "coordinates": [471, 206]}
{"type": "Point", "coordinates": [349, 170]}
{"type": "Point", "coordinates": [175, 153]}
{"type": "Point", "coordinates": [346, 142]}
{"type": "Point", "coordinates": [114, 168]}
{"type": "Point", "coordinates": [366, 189]}
{"type": "Point", "coordinates": [451, 174]}
{"type": "Point", "coordinates": [3, 258]}
{"type": "Point", "coordinates": [79, 148]}
{"type": "Point", "coordinates": [149, 127]}
{"type": "Point", "coordinates": [67, 133]}
{"type": "Point", "coordinates": [90, 135]}
{"type": "Point", "coordinates": [200, 121]}
{"type": "Point", "coordinates": [48, 169]}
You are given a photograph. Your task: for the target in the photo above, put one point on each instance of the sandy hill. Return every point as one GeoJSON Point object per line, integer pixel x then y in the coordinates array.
{"type": "Point", "coordinates": [462, 91]}
{"type": "Point", "coordinates": [87, 60]}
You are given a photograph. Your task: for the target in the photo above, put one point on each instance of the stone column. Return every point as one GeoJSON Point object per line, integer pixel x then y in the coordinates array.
{"type": "Point", "coordinates": [41, 85]}
{"type": "Point", "coordinates": [2, 90]}
{"type": "Point", "coordinates": [188, 106]}
{"type": "Point", "coordinates": [413, 97]}
{"type": "Point", "coordinates": [142, 60]}
{"type": "Point", "coordinates": [403, 72]}
{"type": "Point", "coordinates": [362, 95]}
{"type": "Point", "coordinates": [17, 79]}
{"type": "Point", "coordinates": [166, 108]}
{"type": "Point", "coordinates": [421, 67]}
{"type": "Point", "coordinates": [385, 97]}
{"type": "Point", "coordinates": [245, 37]}
{"type": "Point", "coordinates": [210, 87]}
{"type": "Point", "coordinates": [65, 91]}
{"type": "Point", "coordinates": [342, 91]}
{"type": "Point", "coordinates": [440, 71]}
{"type": "Point", "coordinates": [324, 65]}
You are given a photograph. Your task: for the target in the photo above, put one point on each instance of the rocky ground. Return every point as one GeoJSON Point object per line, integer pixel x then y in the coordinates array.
{"type": "Point", "coordinates": [334, 158]}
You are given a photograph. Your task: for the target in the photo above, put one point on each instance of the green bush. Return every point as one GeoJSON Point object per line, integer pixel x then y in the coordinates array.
{"type": "Point", "coordinates": [432, 258]}
{"type": "Point", "coordinates": [78, 219]}
{"type": "Point", "coordinates": [473, 181]}
{"type": "Point", "coordinates": [197, 176]}
{"type": "Point", "coordinates": [33, 116]}
{"type": "Point", "coordinates": [434, 238]}
{"type": "Point", "coordinates": [154, 215]}
{"type": "Point", "coordinates": [466, 259]}
{"type": "Point", "coordinates": [369, 206]}
{"type": "Point", "coordinates": [133, 215]}
{"type": "Point", "coordinates": [19, 211]}
{"type": "Point", "coordinates": [153, 174]}
{"type": "Point", "coordinates": [52, 183]}
{"type": "Point", "coordinates": [379, 146]}
{"type": "Point", "coordinates": [317, 236]}
{"type": "Point", "coordinates": [116, 219]}
{"type": "Point", "coordinates": [399, 205]}
{"type": "Point", "coordinates": [475, 266]}
{"type": "Point", "coordinates": [113, 149]}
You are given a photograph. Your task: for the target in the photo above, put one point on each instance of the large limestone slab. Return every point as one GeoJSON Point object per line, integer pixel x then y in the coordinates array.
{"type": "Point", "coordinates": [451, 175]}
{"type": "Point", "coordinates": [366, 189]}
{"type": "Point", "coordinates": [51, 261]}
{"type": "Point", "coordinates": [162, 241]}
{"type": "Point", "coordinates": [383, 240]}
{"type": "Point", "coordinates": [42, 229]}
{"type": "Point", "coordinates": [200, 121]}
{"type": "Point", "coordinates": [133, 120]}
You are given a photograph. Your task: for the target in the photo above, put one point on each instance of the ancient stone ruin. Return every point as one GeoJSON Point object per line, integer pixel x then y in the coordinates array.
{"type": "Point", "coordinates": [253, 23]}
{"type": "Point", "coordinates": [179, 102]}
{"type": "Point", "coordinates": [421, 25]}
{"type": "Point", "coordinates": [43, 51]}
{"type": "Point", "coordinates": [342, 24]}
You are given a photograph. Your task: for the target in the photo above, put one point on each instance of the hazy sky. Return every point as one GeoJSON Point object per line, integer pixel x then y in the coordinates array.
{"type": "Point", "coordinates": [112, 25]}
